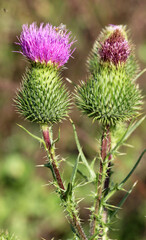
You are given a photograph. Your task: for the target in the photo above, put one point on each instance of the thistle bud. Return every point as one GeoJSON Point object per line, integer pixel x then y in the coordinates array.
{"type": "Point", "coordinates": [42, 97]}
{"type": "Point", "coordinates": [110, 94]}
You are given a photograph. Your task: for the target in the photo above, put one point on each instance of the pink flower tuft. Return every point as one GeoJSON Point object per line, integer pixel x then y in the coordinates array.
{"type": "Point", "coordinates": [115, 49]}
{"type": "Point", "coordinates": [46, 43]}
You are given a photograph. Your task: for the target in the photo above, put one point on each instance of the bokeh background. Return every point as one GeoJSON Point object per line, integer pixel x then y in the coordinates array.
{"type": "Point", "coordinates": [28, 207]}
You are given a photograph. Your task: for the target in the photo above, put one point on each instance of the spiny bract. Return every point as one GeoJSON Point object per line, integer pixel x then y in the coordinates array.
{"type": "Point", "coordinates": [42, 97]}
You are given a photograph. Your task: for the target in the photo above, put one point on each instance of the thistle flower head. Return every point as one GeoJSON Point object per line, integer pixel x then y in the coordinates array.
{"type": "Point", "coordinates": [46, 44]}
{"type": "Point", "coordinates": [115, 48]}
{"type": "Point", "coordinates": [111, 95]}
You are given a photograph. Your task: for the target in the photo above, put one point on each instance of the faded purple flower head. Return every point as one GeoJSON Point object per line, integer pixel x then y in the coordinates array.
{"type": "Point", "coordinates": [46, 43]}
{"type": "Point", "coordinates": [114, 26]}
{"type": "Point", "coordinates": [115, 49]}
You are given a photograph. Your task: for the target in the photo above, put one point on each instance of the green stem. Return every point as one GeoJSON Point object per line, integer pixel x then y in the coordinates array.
{"type": "Point", "coordinates": [47, 135]}
{"type": "Point", "coordinates": [100, 213]}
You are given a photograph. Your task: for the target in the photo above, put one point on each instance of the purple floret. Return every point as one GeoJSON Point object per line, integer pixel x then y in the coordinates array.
{"type": "Point", "coordinates": [115, 49]}
{"type": "Point", "coordinates": [45, 44]}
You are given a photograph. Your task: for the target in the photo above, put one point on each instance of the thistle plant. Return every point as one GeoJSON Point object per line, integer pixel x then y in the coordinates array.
{"type": "Point", "coordinates": [110, 96]}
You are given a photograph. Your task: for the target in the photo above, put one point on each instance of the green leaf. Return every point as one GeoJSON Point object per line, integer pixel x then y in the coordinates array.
{"type": "Point", "coordinates": [32, 135]}
{"type": "Point", "coordinates": [74, 172]}
{"type": "Point", "coordinates": [84, 176]}
{"type": "Point", "coordinates": [84, 160]}
{"type": "Point", "coordinates": [131, 128]}
{"type": "Point", "coordinates": [130, 173]}
{"type": "Point", "coordinates": [119, 186]}
{"type": "Point", "coordinates": [68, 192]}
{"type": "Point", "coordinates": [92, 237]}
{"type": "Point", "coordinates": [92, 163]}
{"type": "Point", "coordinates": [122, 201]}
{"type": "Point", "coordinates": [58, 138]}
{"type": "Point", "coordinates": [138, 75]}
{"type": "Point", "coordinates": [49, 165]}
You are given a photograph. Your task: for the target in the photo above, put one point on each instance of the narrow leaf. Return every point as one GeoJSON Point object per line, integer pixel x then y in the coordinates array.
{"type": "Point", "coordinates": [84, 176]}
{"type": "Point", "coordinates": [84, 160]}
{"type": "Point", "coordinates": [91, 238]}
{"type": "Point", "coordinates": [119, 186]}
{"type": "Point", "coordinates": [58, 138]}
{"type": "Point", "coordinates": [138, 75]}
{"type": "Point", "coordinates": [122, 201]}
{"type": "Point", "coordinates": [68, 192]}
{"type": "Point", "coordinates": [130, 173]}
{"type": "Point", "coordinates": [92, 163]}
{"type": "Point", "coordinates": [32, 135]}
{"type": "Point", "coordinates": [49, 165]}
{"type": "Point", "coordinates": [74, 172]}
{"type": "Point", "coordinates": [132, 126]}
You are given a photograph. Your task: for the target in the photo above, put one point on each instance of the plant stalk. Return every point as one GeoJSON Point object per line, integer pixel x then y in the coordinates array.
{"type": "Point", "coordinates": [49, 147]}
{"type": "Point", "coordinates": [100, 213]}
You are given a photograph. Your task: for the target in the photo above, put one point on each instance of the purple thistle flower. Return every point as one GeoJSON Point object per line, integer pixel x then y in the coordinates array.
{"type": "Point", "coordinates": [46, 43]}
{"type": "Point", "coordinates": [115, 49]}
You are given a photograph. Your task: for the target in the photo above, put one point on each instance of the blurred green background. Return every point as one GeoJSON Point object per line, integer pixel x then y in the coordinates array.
{"type": "Point", "coordinates": [28, 207]}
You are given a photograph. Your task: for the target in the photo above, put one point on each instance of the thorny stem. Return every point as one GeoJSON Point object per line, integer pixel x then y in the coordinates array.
{"type": "Point", "coordinates": [48, 141]}
{"type": "Point", "coordinates": [103, 181]}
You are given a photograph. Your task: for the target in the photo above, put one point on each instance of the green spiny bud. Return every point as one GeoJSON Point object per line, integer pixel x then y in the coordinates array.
{"type": "Point", "coordinates": [110, 95]}
{"type": "Point", "coordinates": [42, 97]}
{"type": "Point", "coordinates": [109, 98]}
